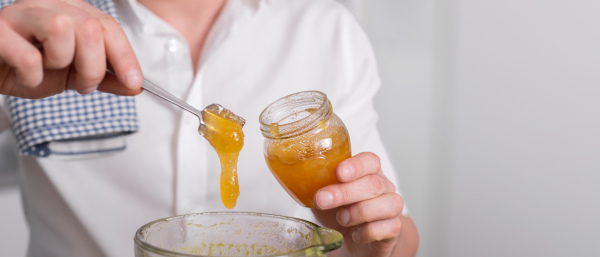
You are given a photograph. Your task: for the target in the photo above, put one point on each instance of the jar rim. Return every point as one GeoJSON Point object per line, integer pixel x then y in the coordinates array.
{"type": "Point", "coordinates": [286, 106]}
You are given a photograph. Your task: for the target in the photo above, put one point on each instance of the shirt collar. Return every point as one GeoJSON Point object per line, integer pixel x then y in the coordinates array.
{"type": "Point", "coordinates": [234, 12]}
{"type": "Point", "coordinates": [137, 15]}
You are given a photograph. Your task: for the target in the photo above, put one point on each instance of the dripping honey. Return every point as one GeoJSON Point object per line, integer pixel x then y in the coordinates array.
{"type": "Point", "coordinates": [225, 135]}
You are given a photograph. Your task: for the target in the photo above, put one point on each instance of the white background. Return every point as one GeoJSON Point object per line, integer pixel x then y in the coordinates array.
{"type": "Point", "coordinates": [491, 111]}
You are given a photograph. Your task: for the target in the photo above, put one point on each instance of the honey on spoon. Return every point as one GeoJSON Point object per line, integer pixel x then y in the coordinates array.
{"type": "Point", "coordinates": [223, 130]}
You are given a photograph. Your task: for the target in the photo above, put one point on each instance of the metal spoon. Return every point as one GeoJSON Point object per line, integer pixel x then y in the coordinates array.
{"type": "Point", "coordinates": [158, 91]}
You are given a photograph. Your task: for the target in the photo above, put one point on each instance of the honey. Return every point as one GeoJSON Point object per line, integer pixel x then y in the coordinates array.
{"type": "Point", "coordinates": [301, 169]}
{"type": "Point", "coordinates": [304, 143]}
{"type": "Point", "coordinates": [223, 130]}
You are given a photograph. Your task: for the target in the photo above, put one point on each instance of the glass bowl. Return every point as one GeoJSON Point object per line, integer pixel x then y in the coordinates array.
{"type": "Point", "coordinates": [234, 234]}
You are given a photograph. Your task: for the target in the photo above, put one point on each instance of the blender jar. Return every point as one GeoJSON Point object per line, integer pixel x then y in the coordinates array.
{"type": "Point", "coordinates": [234, 234]}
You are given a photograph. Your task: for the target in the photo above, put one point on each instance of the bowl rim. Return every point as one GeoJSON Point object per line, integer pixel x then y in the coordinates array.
{"type": "Point", "coordinates": [141, 243]}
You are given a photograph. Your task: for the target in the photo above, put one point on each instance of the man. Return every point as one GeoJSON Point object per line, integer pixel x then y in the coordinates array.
{"type": "Point", "coordinates": [87, 186]}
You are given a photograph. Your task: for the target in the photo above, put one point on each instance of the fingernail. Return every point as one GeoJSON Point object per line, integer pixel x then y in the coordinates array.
{"type": "Point", "coordinates": [343, 216]}
{"type": "Point", "coordinates": [346, 172]}
{"type": "Point", "coordinates": [133, 78]}
{"type": "Point", "coordinates": [324, 198]}
{"type": "Point", "coordinates": [87, 90]}
{"type": "Point", "coordinates": [356, 236]}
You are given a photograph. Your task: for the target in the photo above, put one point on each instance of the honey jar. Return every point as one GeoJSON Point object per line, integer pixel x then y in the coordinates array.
{"type": "Point", "coordinates": [304, 143]}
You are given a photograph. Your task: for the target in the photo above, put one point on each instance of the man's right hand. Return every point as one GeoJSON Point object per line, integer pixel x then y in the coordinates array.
{"type": "Point", "coordinates": [47, 47]}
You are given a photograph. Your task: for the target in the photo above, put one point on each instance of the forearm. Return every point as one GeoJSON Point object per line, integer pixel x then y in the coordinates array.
{"type": "Point", "coordinates": [408, 241]}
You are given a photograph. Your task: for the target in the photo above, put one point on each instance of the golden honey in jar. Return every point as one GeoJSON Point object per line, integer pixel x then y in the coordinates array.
{"type": "Point", "coordinates": [304, 143]}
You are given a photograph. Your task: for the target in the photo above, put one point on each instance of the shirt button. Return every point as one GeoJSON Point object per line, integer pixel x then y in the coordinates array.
{"type": "Point", "coordinates": [172, 45]}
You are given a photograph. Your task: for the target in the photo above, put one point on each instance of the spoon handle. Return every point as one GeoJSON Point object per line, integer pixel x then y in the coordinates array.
{"type": "Point", "coordinates": [165, 95]}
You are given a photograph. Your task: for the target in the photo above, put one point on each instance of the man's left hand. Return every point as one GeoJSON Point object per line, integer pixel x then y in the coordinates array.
{"type": "Point", "coordinates": [366, 209]}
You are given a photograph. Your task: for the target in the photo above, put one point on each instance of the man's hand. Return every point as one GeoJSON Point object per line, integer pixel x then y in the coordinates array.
{"type": "Point", "coordinates": [47, 47]}
{"type": "Point", "coordinates": [366, 209]}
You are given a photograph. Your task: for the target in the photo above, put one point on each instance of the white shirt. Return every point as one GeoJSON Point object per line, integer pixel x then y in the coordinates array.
{"type": "Point", "coordinates": [257, 52]}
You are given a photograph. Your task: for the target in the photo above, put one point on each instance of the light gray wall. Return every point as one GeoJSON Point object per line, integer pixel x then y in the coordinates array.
{"type": "Point", "coordinates": [525, 139]}
{"type": "Point", "coordinates": [492, 114]}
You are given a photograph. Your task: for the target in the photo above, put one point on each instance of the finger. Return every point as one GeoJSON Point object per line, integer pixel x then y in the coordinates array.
{"type": "Point", "coordinates": [387, 206]}
{"type": "Point", "coordinates": [53, 83]}
{"type": "Point", "coordinates": [7, 75]}
{"type": "Point", "coordinates": [377, 231]}
{"type": "Point", "coordinates": [53, 29]}
{"type": "Point", "coordinates": [58, 41]}
{"type": "Point", "coordinates": [358, 166]}
{"type": "Point", "coordinates": [121, 56]}
{"type": "Point", "coordinates": [22, 56]}
{"type": "Point", "coordinates": [119, 52]}
{"type": "Point", "coordinates": [89, 65]}
{"type": "Point", "coordinates": [5, 70]}
{"type": "Point", "coordinates": [112, 85]}
{"type": "Point", "coordinates": [364, 188]}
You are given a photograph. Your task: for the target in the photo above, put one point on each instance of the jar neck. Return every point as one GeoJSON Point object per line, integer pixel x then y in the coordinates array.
{"type": "Point", "coordinates": [295, 115]}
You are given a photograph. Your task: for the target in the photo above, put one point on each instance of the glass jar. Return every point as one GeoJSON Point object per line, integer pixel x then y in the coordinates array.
{"type": "Point", "coordinates": [304, 143]}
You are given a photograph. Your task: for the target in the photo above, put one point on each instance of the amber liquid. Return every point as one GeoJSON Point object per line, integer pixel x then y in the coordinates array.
{"type": "Point", "coordinates": [302, 171]}
{"type": "Point", "coordinates": [225, 135]}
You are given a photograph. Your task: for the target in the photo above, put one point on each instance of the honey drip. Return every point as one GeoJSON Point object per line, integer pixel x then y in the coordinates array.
{"type": "Point", "coordinates": [223, 130]}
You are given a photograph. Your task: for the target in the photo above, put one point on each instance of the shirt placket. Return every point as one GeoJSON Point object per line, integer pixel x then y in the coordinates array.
{"type": "Point", "coordinates": [190, 170]}
{"type": "Point", "coordinates": [190, 149]}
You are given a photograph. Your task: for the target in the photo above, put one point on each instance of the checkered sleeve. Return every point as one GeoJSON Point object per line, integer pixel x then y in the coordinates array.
{"type": "Point", "coordinates": [107, 6]}
{"type": "Point", "coordinates": [69, 116]}
{"type": "Point", "coordinates": [5, 3]}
